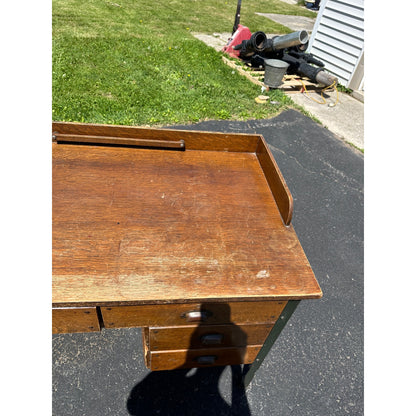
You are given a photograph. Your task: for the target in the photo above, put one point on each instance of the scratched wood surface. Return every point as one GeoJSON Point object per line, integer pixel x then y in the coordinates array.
{"type": "Point", "coordinates": [190, 337]}
{"type": "Point", "coordinates": [65, 132]}
{"type": "Point", "coordinates": [177, 313]}
{"type": "Point", "coordinates": [170, 360]}
{"type": "Point", "coordinates": [151, 226]}
{"type": "Point", "coordinates": [232, 142]}
{"type": "Point", "coordinates": [75, 320]}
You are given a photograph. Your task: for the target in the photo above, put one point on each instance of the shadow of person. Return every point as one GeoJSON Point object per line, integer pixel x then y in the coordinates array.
{"type": "Point", "coordinates": [192, 388]}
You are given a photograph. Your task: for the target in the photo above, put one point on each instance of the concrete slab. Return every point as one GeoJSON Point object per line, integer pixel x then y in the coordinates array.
{"type": "Point", "coordinates": [294, 2]}
{"type": "Point", "coordinates": [292, 22]}
{"type": "Point", "coordinates": [216, 40]}
{"type": "Point", "coordinates": [345, 119]}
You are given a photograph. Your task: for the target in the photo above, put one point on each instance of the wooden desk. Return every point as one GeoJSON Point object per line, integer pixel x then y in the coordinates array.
{"type": "Point", "coordinates": [186, 234]}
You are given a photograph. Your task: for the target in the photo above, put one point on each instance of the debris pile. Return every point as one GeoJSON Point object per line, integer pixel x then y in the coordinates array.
{"type": "Point", "coordinates": [255, 49]}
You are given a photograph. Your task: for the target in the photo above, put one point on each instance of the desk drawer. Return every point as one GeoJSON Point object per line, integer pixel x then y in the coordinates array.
{"type": "Point", "coordinates": [169, 360]}
{"type": "Point", "coordinates": [183, 314]}
{"type": "Point", "coordinates": [205, 336]}
{"type": "Point", "coordinates": [74, 320]}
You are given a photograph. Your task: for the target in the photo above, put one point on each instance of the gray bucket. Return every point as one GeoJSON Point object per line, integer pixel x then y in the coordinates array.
{"type": "Point", "coordinates": [274, 71]}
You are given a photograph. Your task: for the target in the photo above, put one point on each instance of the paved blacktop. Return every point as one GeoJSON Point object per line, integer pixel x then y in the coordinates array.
{"type": "Point", "coordinates": [315, 368]}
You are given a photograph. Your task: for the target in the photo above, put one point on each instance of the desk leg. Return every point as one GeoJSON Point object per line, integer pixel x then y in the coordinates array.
{"type": "Point", "coordinates": [270, 340]}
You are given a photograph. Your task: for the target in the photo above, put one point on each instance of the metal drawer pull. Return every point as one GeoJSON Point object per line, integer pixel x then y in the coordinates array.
{"type": "Point", "coordinates": [196, 316]}
{"type": "Point", "coordinates": [212, 339]}
{"type": "Point", "coordinates": [206, 359]}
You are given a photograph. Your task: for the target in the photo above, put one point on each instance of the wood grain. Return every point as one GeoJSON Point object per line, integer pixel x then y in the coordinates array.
{"type": "Point", "coordinates": [170, 360]}
{"type": "Point", "coordinates": [65, 320]}
{"type": "Point", "coordinates": [275, 179]}
{"type": "Point", "coordinates": [175, 314]}
{"type": "Point", "coordinates": [108, 140]}
{"type": "Point", "coordinates": [221, 142]}
{"type": "Point", "coordinates": [189, 237]}
{"type": "Point", "coordinates": [192, 337]}
{"type": "Point", "coordinates": [147, 226]}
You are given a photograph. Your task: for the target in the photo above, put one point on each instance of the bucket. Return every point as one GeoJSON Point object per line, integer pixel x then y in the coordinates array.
{"type": "Point", "coordinates": [274, 71]}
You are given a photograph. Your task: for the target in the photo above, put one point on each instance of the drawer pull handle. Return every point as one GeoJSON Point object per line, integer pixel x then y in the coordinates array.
{"type": "Point", "coordinates": [196, 316]}
{"type": "Point", "coordinates": [212, 339]}
{"type": "Point", "coordinates": [206, 359]}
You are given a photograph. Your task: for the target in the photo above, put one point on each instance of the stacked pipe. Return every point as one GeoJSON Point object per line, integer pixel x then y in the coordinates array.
{"type": "Point", "coordinates": [289, 48]}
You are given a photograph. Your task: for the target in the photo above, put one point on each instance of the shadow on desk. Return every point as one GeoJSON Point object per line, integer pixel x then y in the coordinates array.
{"type": "Point", "coordinates": [195, 391]}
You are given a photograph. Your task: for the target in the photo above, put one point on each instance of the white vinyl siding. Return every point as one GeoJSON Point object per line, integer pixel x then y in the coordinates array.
{"type": "Point", "coordinates": [338, 39]}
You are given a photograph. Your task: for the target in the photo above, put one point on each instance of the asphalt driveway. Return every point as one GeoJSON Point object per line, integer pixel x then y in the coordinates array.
{"type": "Point", "coordinates": [316, 365]}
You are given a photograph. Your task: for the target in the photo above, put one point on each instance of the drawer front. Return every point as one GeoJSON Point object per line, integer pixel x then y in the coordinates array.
{"type": "Point", "coordinates": [195, 313]}
{"type": "Point", "coordinates": [66, 320]}
{"type": "Point", "coordinates": [206, 336]}
{"type": "Point", "coordinates": [169, 360]}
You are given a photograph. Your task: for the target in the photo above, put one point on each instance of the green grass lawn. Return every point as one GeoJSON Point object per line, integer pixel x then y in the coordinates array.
{"type": "Point", "coordinates": [137, 63]}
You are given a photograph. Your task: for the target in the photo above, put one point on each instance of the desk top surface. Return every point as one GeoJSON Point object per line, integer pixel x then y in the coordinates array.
{"type": "Point", "coordinates": [137, 226]}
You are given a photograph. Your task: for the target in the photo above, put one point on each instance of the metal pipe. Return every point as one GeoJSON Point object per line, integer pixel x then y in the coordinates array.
{"type": "Point", "coordinates": [258, 40]}
{"type": "Point", "coordinates": [256, 43]}
{"type": "Point", "coordinates": [323, 77]}
{"type": "Point", "coordinates": [292, 39]}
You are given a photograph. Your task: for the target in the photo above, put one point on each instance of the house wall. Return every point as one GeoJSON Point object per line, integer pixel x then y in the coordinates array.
{"type": "Point", "coordinates": [338, 40]}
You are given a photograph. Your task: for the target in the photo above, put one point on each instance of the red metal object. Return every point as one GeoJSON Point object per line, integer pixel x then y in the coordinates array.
{"type": "Point", "coordinates": [242, 33]}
